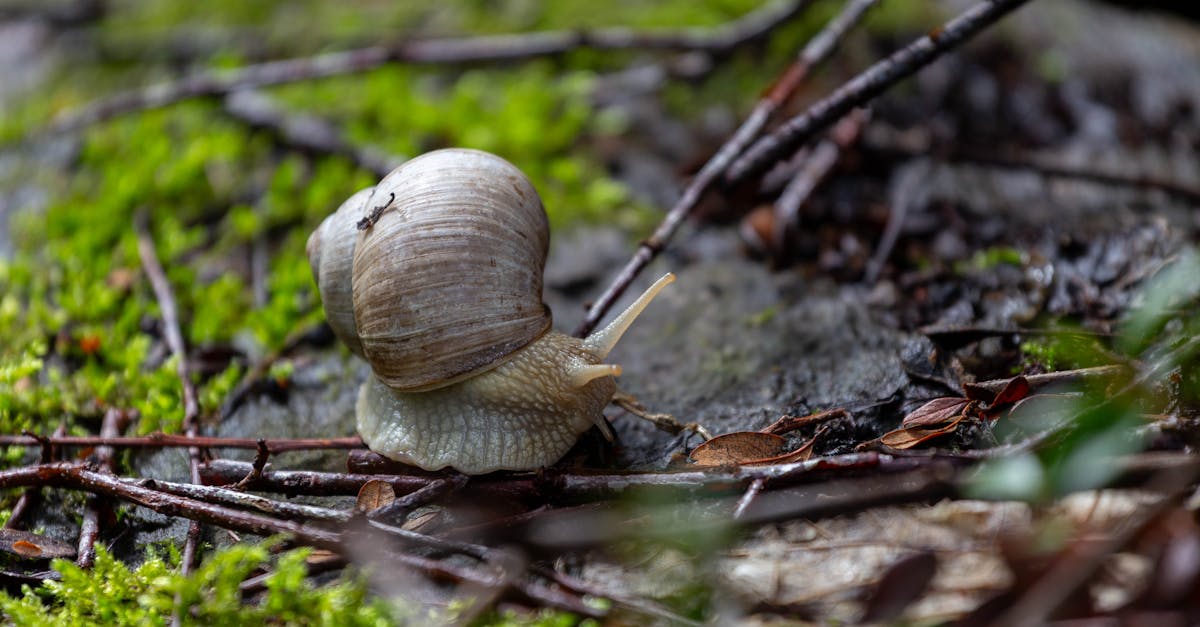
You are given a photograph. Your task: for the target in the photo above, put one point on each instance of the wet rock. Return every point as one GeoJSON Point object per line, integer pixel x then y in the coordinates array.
{"type": "Point", "coordinates": [732, 347]}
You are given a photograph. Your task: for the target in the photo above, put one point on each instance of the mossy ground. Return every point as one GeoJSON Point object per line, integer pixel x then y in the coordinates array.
{"type": "Point", "coordinates": [79, 326]}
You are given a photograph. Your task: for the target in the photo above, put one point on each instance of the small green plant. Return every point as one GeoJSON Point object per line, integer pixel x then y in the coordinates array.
{"type": "Point", "coordinates": [1092, 424]}
{"type": "Point", "coordinates": [111, 593]}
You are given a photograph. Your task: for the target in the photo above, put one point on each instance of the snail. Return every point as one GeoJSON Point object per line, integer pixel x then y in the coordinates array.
{"type": "Point", "coordinates": [434, 277]}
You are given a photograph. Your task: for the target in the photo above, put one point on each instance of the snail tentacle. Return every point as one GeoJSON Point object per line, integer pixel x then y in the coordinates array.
{"type": "Point", "coordinates": [601, 343]}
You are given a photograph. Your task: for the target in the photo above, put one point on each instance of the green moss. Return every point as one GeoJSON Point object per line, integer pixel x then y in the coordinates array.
{"type": "Point", "coordinates": [113, 594]}
{"type": "Point", "coordinates": [989, 258]}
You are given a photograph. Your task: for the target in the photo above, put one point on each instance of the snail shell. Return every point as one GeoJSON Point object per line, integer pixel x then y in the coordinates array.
{"type": "Point", "coordinates": [448, 281]}
{"type": "Point", "coordinates": [331, 254]}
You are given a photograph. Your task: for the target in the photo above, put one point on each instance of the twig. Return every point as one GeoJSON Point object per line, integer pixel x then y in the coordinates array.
{"type": "Point", "coordinates": [496, 48]}
{"type": "Point", "coordinates": [31, 494]}
{"type": "Point", "coordinates": [433, 490]}
{"type": "Point", "coordinates": [235, 498]}
{"type": "Point", "coordinates": [90, 528]}
{"type": "Point", "coordinates": [1038, 381]}
{"type": "Point", "coordinates": [486, 553]}
{"type": "Point", "coordinates": [787, 424]}
{"type": "Point", "coordinates": [166, 440]}
{"type": "Point", "coordinates": [814, 52]}
{"type": "Point", "coordinates": [367, 462]}
{"type": "Point", "coordinates": [865, 86]}
{"type": "Point", "coordinates": [46, 454]}
{"type": "Point", "coordinates": [258, 583]}
{"type": "Point", "coordinates": [174, 337]}
{"type": "Point", "coordinates": [76, 476]}
{"type": "Point", "coordinates": [1035, 164]}
{"type": "Point", "coordinates": [256, 469]}
{"type": "Point", "coordinates": [305, 132]}
{"type": "Point", "coordinates": [665, 422]}
{"type": "Point", "coordinates": [816, 167]}
{"type": "Point", "coordinates": [553, 483]}
{"type": "Point", "coordinates": [752, 491]}
{"type": "Point", "coordinates": [902, 196]}
{"type": "Point", "coordinates": [1180, 190]}
{"type": "Point", "coordinates": [300, 482]}
{"type": "Point", "coordinates": [255, 375]}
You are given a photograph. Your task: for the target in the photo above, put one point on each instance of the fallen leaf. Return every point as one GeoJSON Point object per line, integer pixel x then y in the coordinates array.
{"type": "Point", "coordinates": [939, 411]}
{"type": "Point", "coordinates": [421, 521]}
{"type": "Point", "coordinates": [321, 556]}
{"type": "Point", "coordinates": [1017, 389]}
{"type": "Point", "coordinates": [732, 449]}
{"type": "Point", "coordinates": [26, 549]}
{"type": "Point", "coordinates": [798, 455]}
{"type": "Point", "coordinates": [1014, 390]}
{"type": "Point", "coordinates": [905, 438]}
{"type": "Point", "coordinates": [375, 494]}
{"type": "Point", "coordinates": [32, 545]}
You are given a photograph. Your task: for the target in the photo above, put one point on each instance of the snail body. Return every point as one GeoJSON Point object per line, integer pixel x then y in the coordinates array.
{"type": "Point", "coordinates": [441, 294]}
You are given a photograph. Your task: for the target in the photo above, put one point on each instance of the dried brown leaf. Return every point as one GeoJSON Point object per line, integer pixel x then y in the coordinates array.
{"type": "Point", "coordinates": [423, 520]}
{"type": "Point", "coordinates": [1017, 389]}
{"type": "Point", "coordinates": [905, 438]}
{"type": "Point", "coordinates": [26, 549]}
{"type": "Point", "coordinates": [321, 556]}
{"type": "Point", "coordinates": [32, 545]}
{"type": "Point", "coordinates": [939, 411]}
{"type": "Point", "coordinates": [738, 448]}
{"type": "Point", "coordinates": [375, 494]}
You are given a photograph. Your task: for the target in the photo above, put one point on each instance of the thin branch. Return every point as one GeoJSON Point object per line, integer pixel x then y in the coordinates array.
{"type": "Point", "coordinates": [367, 462]}
{"type": "Point", "coordinates": [31, 494]}
{"type": "Point", "coordinates": [433, 490]}
{"type": "Point", "coordinates": [787, 423]}
{"type": "Point", "coordinates": [305, 132]}
{"type": "Point", "coordinates": [236, 498]}
{"type": "Point", "coordinates": [866, 86]}
{"type": "Point", "coordinates": [495, 48]}
{"type": "Point", "coordinates": [166, 440]}
{"type": "Point", "coordinates": [76, 476]}
{"type": "Point", "coordinates": [1038, 165]}
{"type": "Point", "coordinates": [903, 193]}
{"type": "Point", "coordinates": [751, 492]}
{"type": "Point", "coordinates": [489, 554]}
{"type": "Point", "coordinates": [90, 528]}
{"type": "Point", "coordinates": [256, 468]}
{"type": "Point", "coordinates": [174, 337]}
{"type": "Point", "coordinates": [255, 375]}
{"type": "Point", "coordinates": [1039, 381]}
{"type": "Point", "coordinates": [818, 48]}
{"type": "Point", "coordinates": [814, 170]}
{"type": "Point", "coordinates": [553, 483]}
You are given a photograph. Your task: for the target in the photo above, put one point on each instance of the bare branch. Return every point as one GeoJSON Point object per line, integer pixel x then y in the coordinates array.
{"type": "Point", "coordinates": [174, 337]}
{"type": "Point", "coordinates": [818, 48]}
{"type": "Point", "coordinates": [495, 48]}
{"type": "Point", "coordinates": [305, 132]}
{"type": "Point", "coordinates": [166, 440]}
{"type": "Point", "coordinates": [90, 528]}
{"type": "Point", "coordinates": [867, 85]}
